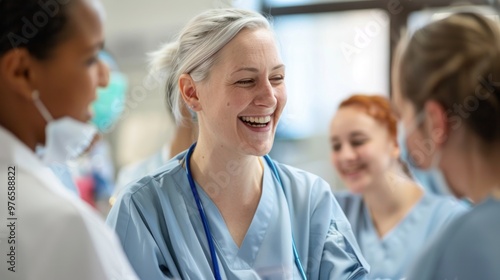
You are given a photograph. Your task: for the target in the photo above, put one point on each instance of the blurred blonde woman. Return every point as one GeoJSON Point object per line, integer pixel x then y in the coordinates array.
{"type": "Point", "coordinates": [446, 88]}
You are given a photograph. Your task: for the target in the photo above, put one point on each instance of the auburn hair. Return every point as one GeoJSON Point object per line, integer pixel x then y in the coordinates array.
{"type": "Point", "coordinates": [377, 107]}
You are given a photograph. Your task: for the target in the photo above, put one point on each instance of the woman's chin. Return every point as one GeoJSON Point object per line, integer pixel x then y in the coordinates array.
{"type": "Point", "coordinates": [257, 149]}
{"type": "Point", "coordinates": [357, 187]}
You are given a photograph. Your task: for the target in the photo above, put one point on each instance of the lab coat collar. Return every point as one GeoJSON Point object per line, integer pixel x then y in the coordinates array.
{"type": "Point", "coordinates": [13, 152]}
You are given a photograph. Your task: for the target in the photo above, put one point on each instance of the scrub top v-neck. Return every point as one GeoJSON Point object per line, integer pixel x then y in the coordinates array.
{"type": "Point", "coordinates": [159, 225]}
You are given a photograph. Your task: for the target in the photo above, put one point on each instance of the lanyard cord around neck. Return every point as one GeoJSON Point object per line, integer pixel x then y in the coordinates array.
{"type": "Point", "coordinates": [206, 226]}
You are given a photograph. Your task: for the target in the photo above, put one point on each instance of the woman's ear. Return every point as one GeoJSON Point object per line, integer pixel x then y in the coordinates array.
{"type": "Point", "coordinates": [15, 72]}
{"type": "Point", "coordinates": [189, 92]}
{"type": "Point", "coordinates": [436, 122]}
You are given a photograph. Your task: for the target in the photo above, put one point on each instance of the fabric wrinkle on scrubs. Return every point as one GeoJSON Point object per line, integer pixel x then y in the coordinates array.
{"type": "Point", "coordinates": [158, 223]}
{"type": "Point", "coordinates": [391, 256]}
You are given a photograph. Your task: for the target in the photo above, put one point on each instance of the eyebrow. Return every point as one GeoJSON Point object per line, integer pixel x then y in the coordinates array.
{"type": "Point", "coordinates": [255, 70]}
{"type": "Point", "coordinates": [357, 133]}
{"type": "Point", "coordinates": [353, 134]}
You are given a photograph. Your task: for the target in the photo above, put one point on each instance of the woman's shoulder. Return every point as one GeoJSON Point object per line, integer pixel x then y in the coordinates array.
{"type": "Point", "coordinates": [307, 190]}
{"type": "Point", "coordinates": [469, 244]}
{"type": "Point", "coordinates": [303, 187]}
{"type": "Point", "coordinates": [472, 226]}
{"type": "Point", "coordinates": [444, 207]}
{"type": "Point", "coordinates": [482, 220]}
{"type": "Point", "coordinates": [301, 179]}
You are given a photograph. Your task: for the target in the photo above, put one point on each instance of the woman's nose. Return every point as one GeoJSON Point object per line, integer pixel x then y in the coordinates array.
{"type": "Point", "coordinates": [347, 153]}
{"type": "Point", "coordinates": [266, 95]}
{"type": "Point", "coordinates": [103, 74]}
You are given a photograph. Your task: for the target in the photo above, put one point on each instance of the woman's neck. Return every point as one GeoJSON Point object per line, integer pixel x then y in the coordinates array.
{"type": "Point", "coordinates": [483, 177]}
{"type": "Point", "coordinates": [226, 176]}
{"type": "Point", "coordinates": [233, 181]}
{"type": "Point", "coordinates": [184, 136]}
{"type": "Point", "coordinates": [390, 200]}
{"type": "Point", "coordinates": [472, 172]}
{"type": "Point", "coordinates": [29, 131]}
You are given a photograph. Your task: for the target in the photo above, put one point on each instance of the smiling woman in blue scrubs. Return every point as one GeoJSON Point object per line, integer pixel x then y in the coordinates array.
{"type": "Point", "coordinates": [222, 209]}
{"type": "Point", "coordinates": [392, 217]}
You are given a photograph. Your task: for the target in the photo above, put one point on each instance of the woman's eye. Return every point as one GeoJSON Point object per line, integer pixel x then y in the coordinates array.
{"type": "Point", "coordinates": [92, 60]}
{"type": "Point", "coordinates": [278, 78]}
{"type": "Point", "coordinates": [244, 82]}
{"type": "Point", "coordinates": [336, 147]}
{"type": "Point", "coordinates": [359, 142]}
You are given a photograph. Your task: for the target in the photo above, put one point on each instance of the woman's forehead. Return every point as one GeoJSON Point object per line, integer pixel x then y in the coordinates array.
{"type": "Point", "coordinates": [251, 46]}
{"type": "Point", "coordinates": [349, 119]}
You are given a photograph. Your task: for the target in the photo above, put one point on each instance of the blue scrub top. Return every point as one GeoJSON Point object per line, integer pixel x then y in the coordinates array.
{"type": "Point", "coordinates": [159, 226]}
{"type": "Point", "coordinates": [391, 256]}
{"type": "Point", "coordinates": [468, 249]}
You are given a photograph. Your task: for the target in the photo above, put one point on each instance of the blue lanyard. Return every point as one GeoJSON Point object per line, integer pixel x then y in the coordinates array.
{"type": "Point", "coordinates": [206, 226]}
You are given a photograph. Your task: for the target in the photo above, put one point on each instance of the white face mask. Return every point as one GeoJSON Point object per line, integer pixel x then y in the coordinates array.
{"type": "Point", "coordinates": [65, 138]}
{"type": "Point", "coordinates": [432, 178]}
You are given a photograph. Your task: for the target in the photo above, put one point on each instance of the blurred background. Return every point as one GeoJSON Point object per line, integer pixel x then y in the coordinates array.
{"type": "Point", "coordinates": [331, 49]}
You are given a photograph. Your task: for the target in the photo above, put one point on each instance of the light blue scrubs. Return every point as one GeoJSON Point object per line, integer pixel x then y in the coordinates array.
{"type": "Point", "coordinates": [159, 226]}
{"type": "Point", "coordinates": [391, 256]}
{"type": "Point", "coordinates": [468, 249]}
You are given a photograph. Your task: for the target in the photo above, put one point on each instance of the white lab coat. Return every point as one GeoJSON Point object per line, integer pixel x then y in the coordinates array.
{"type": "Point", "coordinates": [57, 236]}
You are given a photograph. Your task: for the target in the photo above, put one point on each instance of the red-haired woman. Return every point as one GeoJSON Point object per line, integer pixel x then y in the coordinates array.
{"type": "Point", "coordinates": [392, 216]}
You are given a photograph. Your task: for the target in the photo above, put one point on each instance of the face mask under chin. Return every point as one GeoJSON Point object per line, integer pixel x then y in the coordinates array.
{"type": "Point", "coordinates": [65, 138]}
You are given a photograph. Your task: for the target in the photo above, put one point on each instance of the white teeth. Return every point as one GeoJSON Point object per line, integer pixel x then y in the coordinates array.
{"type": "Point", "coordinates": [257, 120]}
